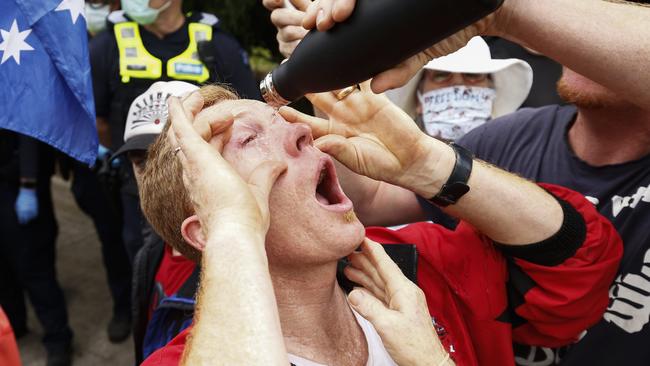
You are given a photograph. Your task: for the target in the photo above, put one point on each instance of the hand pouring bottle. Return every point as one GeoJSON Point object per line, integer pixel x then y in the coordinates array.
{"type": "Point", "coordinates": [377, 36]}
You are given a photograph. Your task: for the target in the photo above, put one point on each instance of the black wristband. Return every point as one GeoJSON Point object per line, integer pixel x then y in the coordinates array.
{"type": "Point", "coordinates": [456, 185]}
{"type": "Point", "coordinates": [559, 247]}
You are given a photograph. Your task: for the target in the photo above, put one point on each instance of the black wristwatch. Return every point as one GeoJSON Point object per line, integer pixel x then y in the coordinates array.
{"type": "Point", "coordinates": [456, 185]}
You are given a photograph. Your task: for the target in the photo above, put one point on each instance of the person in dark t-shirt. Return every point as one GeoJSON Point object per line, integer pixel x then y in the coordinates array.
{"type": "Point", "coordinates": [600, 146]}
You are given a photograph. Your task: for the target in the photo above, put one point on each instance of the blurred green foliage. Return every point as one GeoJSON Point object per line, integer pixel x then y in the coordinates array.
{"type": "Point", "coordinates": [249, 22]}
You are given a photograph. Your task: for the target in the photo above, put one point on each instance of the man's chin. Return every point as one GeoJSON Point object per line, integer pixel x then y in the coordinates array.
{"type": "Point", "coordinates": [584, 98]}
{"type": "Point", "coordinates": [352, 232]}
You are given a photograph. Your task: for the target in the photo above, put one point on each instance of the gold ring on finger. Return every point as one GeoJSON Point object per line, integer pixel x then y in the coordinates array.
{"type": "Point", "coordinates": [346, 91]}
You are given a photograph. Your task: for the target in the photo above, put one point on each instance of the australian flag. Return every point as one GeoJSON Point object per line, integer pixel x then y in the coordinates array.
{"type": "Point", "coordinates": [45, 82]}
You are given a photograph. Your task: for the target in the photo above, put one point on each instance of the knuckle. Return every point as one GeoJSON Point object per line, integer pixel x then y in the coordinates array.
{"type": "Point", "coordinates": [278, 17]}
{"type": "Point", "coordinates": [412, 292]}
{"type": "Point", "coordinates": [419, 296]}
{"type": "Point", "coordinates": [296, 32]}
{"type": "Point", "coordinates": [381, 323]}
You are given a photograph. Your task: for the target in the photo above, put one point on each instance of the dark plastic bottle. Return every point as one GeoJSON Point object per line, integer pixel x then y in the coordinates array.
{"type": "Point", "coordinates": [378, 35]}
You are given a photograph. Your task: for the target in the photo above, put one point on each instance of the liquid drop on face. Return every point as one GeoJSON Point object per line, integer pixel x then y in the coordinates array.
{"type": "Point", "coordinates": [262, 147]}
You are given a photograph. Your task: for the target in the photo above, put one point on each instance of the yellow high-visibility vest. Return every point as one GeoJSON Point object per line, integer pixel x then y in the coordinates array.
{"type": "Point", "coordinates": [137, 62]}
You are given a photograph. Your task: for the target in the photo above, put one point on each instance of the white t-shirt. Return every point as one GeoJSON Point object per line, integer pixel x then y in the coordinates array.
{"type": "Point", "coordinates": [377, 354]}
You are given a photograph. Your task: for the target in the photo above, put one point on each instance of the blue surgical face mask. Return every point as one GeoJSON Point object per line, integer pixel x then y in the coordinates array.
{"type": "Point", "coordinates": [140, 12]}
{"type": "Point", "coordinates": [96, 17]}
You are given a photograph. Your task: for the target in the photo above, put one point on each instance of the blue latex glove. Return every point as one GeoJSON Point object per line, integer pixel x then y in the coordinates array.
{"type": "Point", "coordinates": [26, 205]}
{"type": "Point", "coordinates": [102, 152]}
{"type": "Point", "coordinates": [116, 163]}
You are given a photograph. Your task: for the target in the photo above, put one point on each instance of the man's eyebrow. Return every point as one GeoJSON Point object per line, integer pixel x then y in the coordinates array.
{"type": "Point", "coordinates": [254, 125]}
{"type": "Point", "coordinates": [240, 110]}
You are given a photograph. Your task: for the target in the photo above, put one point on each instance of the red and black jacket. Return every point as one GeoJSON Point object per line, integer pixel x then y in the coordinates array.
{"type": "Point", "coordinates": [483, 295]}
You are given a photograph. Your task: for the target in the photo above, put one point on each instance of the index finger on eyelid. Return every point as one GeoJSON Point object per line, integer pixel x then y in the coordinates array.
{"type": "Point", "coordinates": [183, 132]}
{"type": "Point", "coordinates": [192, 104]}
{"type": "Point", "coordinates": [213, 121]}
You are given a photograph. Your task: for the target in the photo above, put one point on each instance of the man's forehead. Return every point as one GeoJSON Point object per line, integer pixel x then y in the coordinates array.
{"type": "Point", "coordinates": [237, 108]}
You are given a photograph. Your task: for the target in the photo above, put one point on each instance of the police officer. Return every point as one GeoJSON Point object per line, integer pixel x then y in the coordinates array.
{"type": "Point", "coordinates": [149, 41]}
{"type": "Point", "coordinates": [28, 231]}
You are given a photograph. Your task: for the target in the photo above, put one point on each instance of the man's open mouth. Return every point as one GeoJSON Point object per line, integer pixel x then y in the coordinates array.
{"type": "Point", "coordinates": [328, 191]}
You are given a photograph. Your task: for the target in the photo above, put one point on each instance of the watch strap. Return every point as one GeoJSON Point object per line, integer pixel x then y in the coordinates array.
{"type": "Point", "coordinates": [456, 186]}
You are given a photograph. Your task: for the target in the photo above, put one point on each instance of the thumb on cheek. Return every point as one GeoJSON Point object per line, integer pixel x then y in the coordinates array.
{"type": "Point", "coordinates": [265, 175]}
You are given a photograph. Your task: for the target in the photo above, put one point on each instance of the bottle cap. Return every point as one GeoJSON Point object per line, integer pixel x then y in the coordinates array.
{"type": "Point", "coordinates": [270, 95]}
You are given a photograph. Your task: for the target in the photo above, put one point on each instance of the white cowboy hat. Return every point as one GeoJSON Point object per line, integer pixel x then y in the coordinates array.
{"type": "Point", "coordinates": [512, 77]}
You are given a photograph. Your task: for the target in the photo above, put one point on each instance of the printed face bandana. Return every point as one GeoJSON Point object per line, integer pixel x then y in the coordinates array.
{"type": "Point", "coordinates": [450, 113]}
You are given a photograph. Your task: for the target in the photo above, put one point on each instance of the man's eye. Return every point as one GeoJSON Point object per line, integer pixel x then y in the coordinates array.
{"type": "Point", "coordinates": [441, 77]}
{"type": "Point", "coordinates": [249, 139]}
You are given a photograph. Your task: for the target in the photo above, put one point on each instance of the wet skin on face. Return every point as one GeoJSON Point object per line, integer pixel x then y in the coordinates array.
{"type": "Point", "coordinates": [310, 214]}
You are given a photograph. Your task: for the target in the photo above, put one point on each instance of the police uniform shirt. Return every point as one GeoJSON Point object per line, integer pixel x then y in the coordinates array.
{"type": "Point", "coordinates": [104, 57]}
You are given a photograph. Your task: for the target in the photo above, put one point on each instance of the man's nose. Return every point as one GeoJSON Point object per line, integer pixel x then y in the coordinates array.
{"type": "Point", "coordinates": [298, 138]}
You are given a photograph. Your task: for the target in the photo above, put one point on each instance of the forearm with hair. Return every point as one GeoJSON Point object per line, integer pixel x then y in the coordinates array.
{"type": "Point", "coordinates": [507, 208]}
{"type": "Point", "coordinates": [606, 41]}
{"type": "Point", "coordinates": [236, 322]}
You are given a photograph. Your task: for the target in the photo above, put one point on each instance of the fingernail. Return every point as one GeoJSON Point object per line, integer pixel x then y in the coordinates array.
{"type": "Point", "coordinates": [319, 16]}
{"type": "Point", "coordinates": [355, 297]}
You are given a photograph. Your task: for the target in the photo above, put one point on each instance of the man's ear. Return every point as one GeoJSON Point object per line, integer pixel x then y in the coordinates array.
{"type": "Point", "coordinates": [192, 233]}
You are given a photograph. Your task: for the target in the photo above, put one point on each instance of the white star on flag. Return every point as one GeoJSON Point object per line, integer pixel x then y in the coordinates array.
{"type": "Point", "coordinates": [13, 42]}
{"type": "Point", "coordinates": [76, 8]}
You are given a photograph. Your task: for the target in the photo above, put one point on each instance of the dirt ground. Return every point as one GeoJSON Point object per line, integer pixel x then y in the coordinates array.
{"type": "Point", "coordinates": [81, 274]}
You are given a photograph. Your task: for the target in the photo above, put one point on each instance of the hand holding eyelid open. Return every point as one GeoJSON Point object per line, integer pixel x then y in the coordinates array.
{"type": "Point", "coordinates": [220, 196]}
{"type": "Point", "coordinates": [368, 134]}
